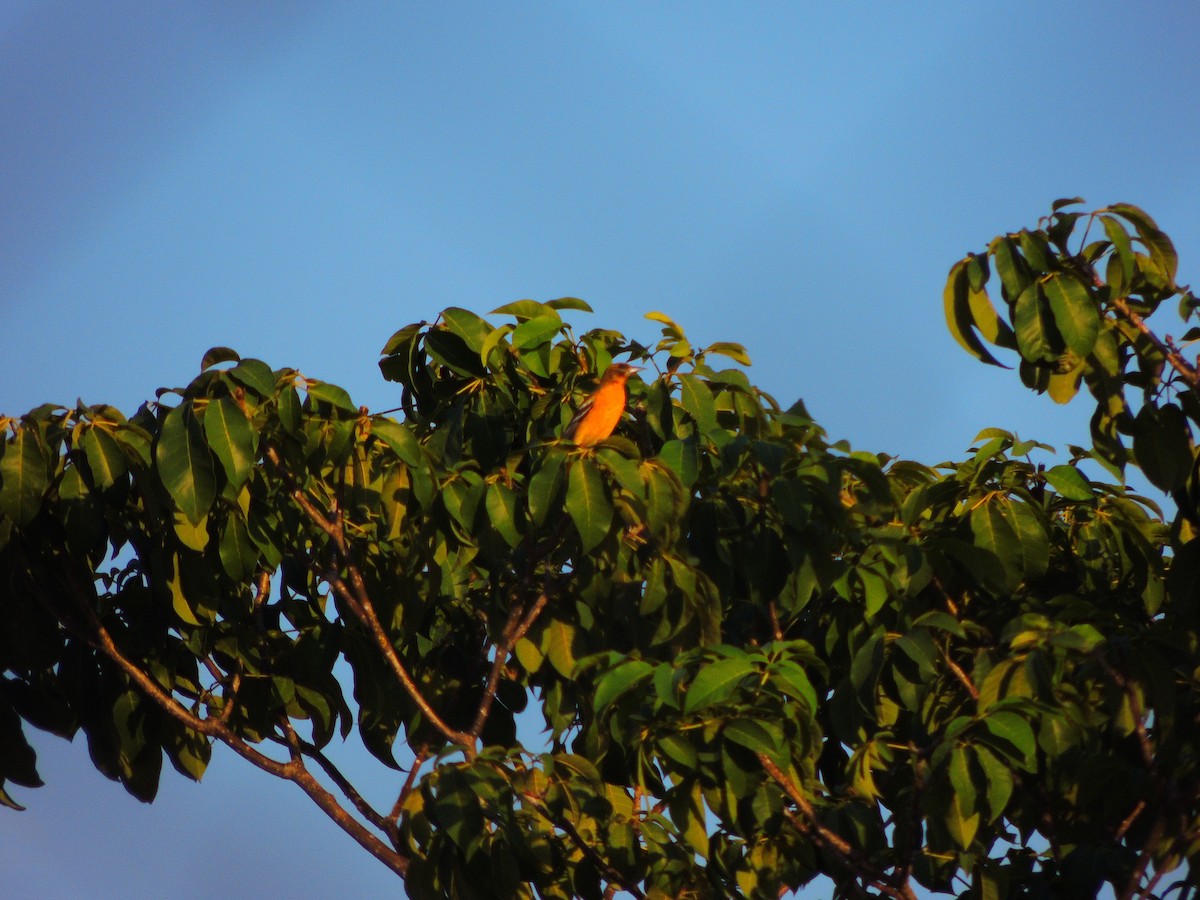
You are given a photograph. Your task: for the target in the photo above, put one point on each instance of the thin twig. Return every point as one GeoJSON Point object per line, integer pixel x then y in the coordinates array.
{"type": "Point", "coordinates": [214, 727]}
{"type": "Point", "coordinates": [850, 858]}
{"type": "Point", "coordinates": [960, 675]}
{"type": "Point", "coordinates": [601, 864]}
{"type": "Point", "coordinates": [515, 629]}
{"type": "Point", "coordinates": [1119, 834]}
{"type": "Point", "coordinates": [1167, 348]}
{"type": "Point", "coordinates": [360, 604]}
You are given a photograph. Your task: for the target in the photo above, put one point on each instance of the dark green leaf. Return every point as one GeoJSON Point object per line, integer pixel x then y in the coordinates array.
{"type": "Point", "coordinates": [231, 439]}
{"type": "Point", "coordinates": [716, 682]}
{"type": "Point", "coordinates": [331, 394]}
{"type": "Point", "coordinates": [1076, 314]}
{"type": "Point", "coordinates": [1162, 445]}
{"type": "Point", "coordinates": [216, 355]}
{"type": "Point", "coordinates": [106, 462]}
{"type": "Point", "coordinates": [1069, 482]}
{"type": "Point", "coordinates": [588, 503]}
{"type": "Point", "coordinates": [185, 463]}
{"type": "Point", "coordinates": [255, 375]}
{"type": "Point", "coordinates": [1032, 323]}
{"type": "Point", "coordinates": [697, 399]}
{"type": "Point", "coordinates": [959, 318]}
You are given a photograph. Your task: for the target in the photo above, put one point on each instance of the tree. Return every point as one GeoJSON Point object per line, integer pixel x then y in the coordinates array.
{"type": "Point", "coordinates": [760, 656]}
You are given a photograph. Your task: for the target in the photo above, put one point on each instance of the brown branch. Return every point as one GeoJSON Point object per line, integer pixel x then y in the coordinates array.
{"type": "Point", "coordinates": [366, 614]}
{"type": "Point", "coordinates": [514, 629]}
{"type": "Point", "coordinates": [838, 847]}
{"type": "Point", "coordinates": [1148, 890]}
{"type": "Point", "coordinates": [960, 674]}
{"type": "Point", "coordinates": [217, 728]}
{"type": "Point", "coordinates": [1135, 709]}
{"type": "Point", "coordinates": [229, 698]}
{"type": "Point", "coordinates": [601, 864]}
{"type": "Point", "coordinates": [1167, 348]}
{"type": "Point", "coordinates": [360, 604]}
{"type": "Point", "coordinates": [301, 748]}
{"type": "Point", "coordinates": [1123, 829]}
{"type": "Point", "coordinates": [398, 807]}
{"type": "Point", "coordinates": [773, 613]}
{"type": "Point", "coordinates": [1135, 879]}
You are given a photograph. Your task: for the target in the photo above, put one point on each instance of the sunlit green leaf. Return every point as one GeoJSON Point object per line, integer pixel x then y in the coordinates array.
{"type": "Point", "coordinates": [185, 463]}
{"type": "Point", "coordinates": [588, 503]}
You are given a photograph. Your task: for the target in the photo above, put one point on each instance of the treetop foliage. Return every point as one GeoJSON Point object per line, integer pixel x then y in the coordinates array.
{"type": "Point", "coordinates": [759, 656]}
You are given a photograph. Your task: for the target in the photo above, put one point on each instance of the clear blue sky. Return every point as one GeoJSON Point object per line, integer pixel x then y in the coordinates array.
{"type": "Point", "coordinates": [298, 180]}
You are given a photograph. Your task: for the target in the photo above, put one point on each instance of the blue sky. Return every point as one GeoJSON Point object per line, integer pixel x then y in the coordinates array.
{"type": "Point", "coordinates": [298, 180]}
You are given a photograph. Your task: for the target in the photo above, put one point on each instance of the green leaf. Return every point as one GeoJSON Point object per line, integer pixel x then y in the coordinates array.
{"type": "Point", "coordinates": [537, 331]}
{"type": "Point", "coordinates": [1076, 314]}
{"type": "Point", "coordinates": [1035, 249]}
{"type": "Point", "coordinates": [215, 355]}
{"type": "Point", "coordinates": [698, 401]}
{"type": "Point", "coordinates": [558, 646]}
{"type": "Point", "coordinates": [993, 533]}
{"type": "Point", "coordinates": [569, 303]}
{"type": "Point", "coordinates": [471, 328]}
{"type": "Point", "coordinates": [1070, 483]}
{"type": "Point", "coordinates": [1161, 250]}
{"type": "Point", "coordinates": [529, 655]}
{"type": "Point", "coordinates": [185, 464]}
{"type": "Point", "coordinates": [1162, 445]}
{"type": "Point", "coordinates": [588, 503]}
{"type": "Point", "coordinates": [682, 458]}
{"type": "Point", "coordinates": [1033, 326]}
{"type": "Point", "coordinates": [448, 349]}
{"type": "Point", "coordinates": [331, 394]}
{"type": "Point", "coordinates": [619, 681]}
{"type": "Point", "coordinates": [400, 438]}
{"type": "Point", "coordinates": [757, 737]}
{"type": "Point", "coordinates": [1064, 201]}
{"type": "Point", "coordinates": [231, 438]}
{"type": "Point", "coordinates": [1013, 737]}
{"type": "Point", "coordinates": [991, 327]}
{"type": "Point", "coordinates": [736, 352]}
{"type": "Point", "coordinates": [959, 318]}
{"type": "Point", "coordinates": [24, 475]}
{"type": "Point", "coordinates": [501, 504]}
{"type": "Point", "coordinates": [545, 487]}
{"type": "Point", "coordinates": [105, 460]}
{"type": "Point", "coordinates": [1122, 254]}
{"type": "Point", "coordinates": [1033, 542]}
{"type": "Point", "coordinates": [492, 341]}
{"type": "Point", "coordinates": [962, 820]}
{"type": "Point", "coordinates": [671, 329]}
{"type": "Point", "coordinates": [1010, 266]}
{"type": "Point", "coordinates": [716, 682]}
{"type": "Point", "coordinates": [239, 556]}
{"type": "Point", "coordinates": [179, 599]}
{"type": "Point", "coordinates": [255, 375]}
{"type": "Point", "coordinates": [999, 779]}
{"type": "Point", "coordinates": [193, 535]}
{"type": "Point", "coordinates": [522, 310]}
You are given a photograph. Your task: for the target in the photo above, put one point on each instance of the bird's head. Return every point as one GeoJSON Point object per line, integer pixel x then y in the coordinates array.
{"type": "Point", "coordinates": [619, 372]}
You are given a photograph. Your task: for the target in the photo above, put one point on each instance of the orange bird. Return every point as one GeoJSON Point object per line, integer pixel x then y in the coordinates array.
{"type": "Point", "coordinates": [602, 411]}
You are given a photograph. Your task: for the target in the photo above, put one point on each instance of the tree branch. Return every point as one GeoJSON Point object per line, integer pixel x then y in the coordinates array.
{"type": "Point", "coordinates": [602, 865]}
{"type": "Point", "coordinates": [1186, 371]}
{"type": "Point", "coordinates": [360, 604]}
{"type": "Point", "coordinates": [811, 827]}
{"type": "Point", "coordinates": [218, 728]}
{"type": "Point", "coordinates": [514, 629]}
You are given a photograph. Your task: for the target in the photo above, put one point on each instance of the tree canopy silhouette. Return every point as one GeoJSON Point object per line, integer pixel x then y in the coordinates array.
{"type": "Point", "coordinates": [760, 656]}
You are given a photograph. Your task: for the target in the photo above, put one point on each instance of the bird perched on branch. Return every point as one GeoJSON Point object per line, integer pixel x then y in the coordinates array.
{"type": "Point", "coordinates": [602, 411]}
